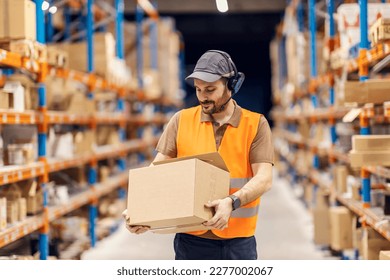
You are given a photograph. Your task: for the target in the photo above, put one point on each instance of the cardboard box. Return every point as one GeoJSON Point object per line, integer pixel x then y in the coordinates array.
{"type": "Point", "coordinates": [16, 95]}
{"type": "Point", "coordinates": [104, 173]}
{"type": "Point", "coordinates": [321, 226]}
{"type": "Point", "coordinates": [104, 52]}
{"type": "Point", "coordinates": [18, 19]}
{"type": "Point", "coordinates": [22, 209]}
{"type": "Point", "coordinates": [371, 91]}
{"type": "Point", "coordinates": [30, 90]}
{"type": "Point", "coordinates": [4, 100]}
{"type": "Point", "coordinates": [373, 243]}
{"type": "Point", "coordinates": [341, 228]}
{"type": "Point", "coordinates": [84, 142]}
{"type": "Point", "coordinates": [359, 159]}
{"type": "Point", "coordinates": [3, 213]}
{"type": "Point", "coordinates": [379, 31]}
{"type": "Point", "coordinates": [361, 143]}
{"type": "Point", "coordinates": [170, 196]}
{"type": "Point", "coordinates": [12, 211]}
{"type": "Point", "coordinates": [57, 57]}
{"type": "Point", "coordinates": [33, 195]}
{"type": "Point", "coordinates": [384, 255]}
{"type": "Point", "coordinates": [341, 173]}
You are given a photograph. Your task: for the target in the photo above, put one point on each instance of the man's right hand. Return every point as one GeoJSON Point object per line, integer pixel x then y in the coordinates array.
{"type": "Point", "coordinates": [133, 229]}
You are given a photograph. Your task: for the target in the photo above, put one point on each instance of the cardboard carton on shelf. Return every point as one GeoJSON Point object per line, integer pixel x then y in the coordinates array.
{"type": "Point", "coordinates": [104, 52]}
{"type": "Point", "coordinates": [30, 90]}
{"type": "Point", "coordinates": [373, 243]}
{"type": "Point", "coordinates": [15, 92]}
{"type": "Point", "coordinates": [3, 213]}
{"type": "Point", "coordinates": [84, 142]}
{"type": "Point", "coordinates": [22, 209]}
{"type": "Point", "coordinates": [4, 99]}
{"type": "Point", "coordinates": [366, 158]}
{"type": "Point", "coordinates": [321, 225]}
{"type": "Point", "coordinates": [57, 57]}
{"type": "Point", "coordinates": [379, 31]}
{"type": "Point", "coordinates": [340, 175]}
{"type": "Point", "coordinates": [33, 196]}
{"type": "Point", "coordinates": [371, 91]}
{"type": "Point", "coordinates": [18, 19]}
{"type": "Point", "coordinates": [384, 255]}
{"type": "Point", "coordinates": [167, 205]}
{"type": "Point", "coordinates": [12, 194]}
{"type": "Point", "coordinates": [363, 143]}
{"type": "Point", "coordinates": [341, 228]}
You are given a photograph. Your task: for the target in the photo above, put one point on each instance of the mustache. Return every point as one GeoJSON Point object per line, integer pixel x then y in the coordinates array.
{"type": "Point", "coordinates": [206, 102]}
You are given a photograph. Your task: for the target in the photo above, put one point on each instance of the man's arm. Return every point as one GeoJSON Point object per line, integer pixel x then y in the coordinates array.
{"type": "Point", "coordinates": [256, 187]}
{"type": "Point", "coordinates": [142, 229]}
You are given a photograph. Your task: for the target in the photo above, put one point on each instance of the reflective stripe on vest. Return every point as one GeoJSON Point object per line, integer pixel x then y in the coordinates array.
{"type": "Point", "coordinates": [245, 212]}
{"type": "Point", "coordinates": [196, 137]}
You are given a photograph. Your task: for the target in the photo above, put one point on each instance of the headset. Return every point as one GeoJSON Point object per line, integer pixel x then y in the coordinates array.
{"type": "Point", "coordinates": [234, 83]}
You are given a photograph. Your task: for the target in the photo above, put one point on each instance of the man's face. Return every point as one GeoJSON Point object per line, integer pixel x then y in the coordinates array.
{"type": "Point", "coordinates": [211, 96]}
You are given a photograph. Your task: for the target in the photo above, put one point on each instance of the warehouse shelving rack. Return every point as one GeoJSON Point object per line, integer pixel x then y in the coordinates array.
{"type": "Point", "coordinates": [366, 58]}
{"type": "Point", "coordinates": [43, 118]}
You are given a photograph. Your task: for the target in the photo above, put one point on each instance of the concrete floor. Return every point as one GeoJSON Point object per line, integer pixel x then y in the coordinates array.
{"type": "Point", "coordinates": [284, 231]}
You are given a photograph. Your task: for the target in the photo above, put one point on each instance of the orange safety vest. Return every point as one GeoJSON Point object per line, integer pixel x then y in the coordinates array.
{"type": "Point", "coordinates": [196, 137]}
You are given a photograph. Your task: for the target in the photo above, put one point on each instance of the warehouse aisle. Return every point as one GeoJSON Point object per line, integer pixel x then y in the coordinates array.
{"type": "Point", "coordinates": [284, 232]}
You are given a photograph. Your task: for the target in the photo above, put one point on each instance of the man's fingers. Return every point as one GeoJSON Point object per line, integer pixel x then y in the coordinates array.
{"type": "Point", "coordinates": [211, 204]}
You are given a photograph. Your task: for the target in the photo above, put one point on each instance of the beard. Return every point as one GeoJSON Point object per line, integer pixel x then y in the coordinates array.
{"type": "Point", "coordinates": [211, 107]}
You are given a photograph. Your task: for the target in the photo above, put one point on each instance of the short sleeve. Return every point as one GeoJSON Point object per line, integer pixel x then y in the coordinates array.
{"type": "Point", "coordinates": [262, 149]}
{"type": "Point", "coordinates": [167, 142]}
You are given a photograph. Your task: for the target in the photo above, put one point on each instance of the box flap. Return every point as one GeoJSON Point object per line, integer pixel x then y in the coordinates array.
{"type": "Point", "coordinates": [211, 158]}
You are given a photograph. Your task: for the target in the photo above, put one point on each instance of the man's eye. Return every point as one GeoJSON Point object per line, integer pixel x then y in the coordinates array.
{"type": "Point", "coordinates": [210, 90]}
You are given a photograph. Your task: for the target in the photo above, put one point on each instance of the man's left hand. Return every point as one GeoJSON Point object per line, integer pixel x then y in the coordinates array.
{"type": "Point", "coordinates": [223, 210]}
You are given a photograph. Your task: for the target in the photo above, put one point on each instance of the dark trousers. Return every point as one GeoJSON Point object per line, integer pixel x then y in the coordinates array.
{"type": "Point", "coordinates": [190, 247]}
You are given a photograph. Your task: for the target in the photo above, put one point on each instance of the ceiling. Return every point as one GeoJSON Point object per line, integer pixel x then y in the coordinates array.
{"type": "Point", "coordinates": [209, 6]}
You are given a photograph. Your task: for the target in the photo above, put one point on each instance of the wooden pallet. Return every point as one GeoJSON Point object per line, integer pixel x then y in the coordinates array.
{"type": "Point", "coordinates": [380, 31]}
{"type": "Point", "coordinates": [57, 57]}
{"type": "Point", "coordinates": [26, 48]}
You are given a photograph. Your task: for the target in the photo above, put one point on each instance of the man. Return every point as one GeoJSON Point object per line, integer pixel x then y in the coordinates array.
{"type": "Point", "coordinates": [242, 138]}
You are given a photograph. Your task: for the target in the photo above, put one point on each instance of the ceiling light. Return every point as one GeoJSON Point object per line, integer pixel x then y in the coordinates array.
{"type": "Point", "coordinates": [53, 10]}
{"type": "Point", "coordinates": [45, 5]}
{"type": "Point", "coordinates": [222, 6]}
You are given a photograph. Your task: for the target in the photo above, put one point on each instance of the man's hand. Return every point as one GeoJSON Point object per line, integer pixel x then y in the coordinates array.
{"type": "Point", "coordinates": [223, 210]}
{"type": "Point", "coordinates": [133, 229]}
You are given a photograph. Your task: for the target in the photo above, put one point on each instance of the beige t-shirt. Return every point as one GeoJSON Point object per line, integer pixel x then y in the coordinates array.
{"type": "Point", "coordinates": [261, 149]}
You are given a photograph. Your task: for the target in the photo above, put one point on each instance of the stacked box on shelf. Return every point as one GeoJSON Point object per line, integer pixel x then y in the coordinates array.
{"type": "Point", "coordinates": [341, 228]}
{"type": "Point", "coordinates": [321, 219]}
{"type": "Point", "coordinates": [18, 19]}
{"type": "Point", "coordinates": [3, 213]}
{"type": "Point", "coordinates": [166, 78]}
{"type": "Point", "coordinates": [384, 255]}
{"type": "Point", "coordinates": [30, 90]}
{"type": "Point", "coordinates": [106, 64]}
{"type": "Point", "coordinates": [380, 31]}
{"type": "Point", "coordinates": [373, 243]}
{"type": "Point", "coordinates": [371, 91]}
{"type": "Point", "coordinates": [15, 203]}
{"type": "Point", "coordinates": [370, 150]}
